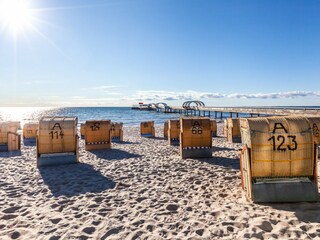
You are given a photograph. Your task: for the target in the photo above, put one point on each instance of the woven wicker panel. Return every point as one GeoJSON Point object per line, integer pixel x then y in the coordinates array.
{"type": "Point", "coordinates": [234, 124]}
{"type": "Point", "coordinates": [13, 141]}
{"type": "Point", "coordinates": [97, 131]}
{"type": "Point", "coordinates": [82, 129]}
{"type": "Point", "coordinates": [279, 146]}
{"type": "Point", "coordinates": [315, 125]}
{"type": "Point", "coordinates": [165, 129]}
{"type": "Point", "coordinates": [116, 129]}
{"type": "Point", "coordinates": [174, 129]}
{"type": "Point", "coordinates": [147, 127]}
{"type": "Point", "coordinates": [213, 125]}
{"type": "Point", "coordinates": [57, 135]}
{"type": "Point", "coordinates": [6, 127]}
{"type": "Point", "coordinates": [225, 127]}
{"type": "Point", "coordinates": [196, 132]}
{"type": "Point", "coordinates": [30, 130]}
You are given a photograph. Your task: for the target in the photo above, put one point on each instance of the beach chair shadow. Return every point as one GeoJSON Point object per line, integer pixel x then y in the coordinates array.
{"type": "Point", "coordinates": [114, 154]}
{"type": "Point", "coordinates": [29, 143]}
{"type": "Point", "coordinates": [74, 179]}
{"type": "Point", "coordinates": [215, 149]}
{"type": "Point", "coordinates": [159, 138]}
{"type": "Point", "coordinates": [307, 212]}
{"type": "Point", "coordinates": [233, 163]}
{"type": "Point", "coordinates": [10, 154]}
{"type": "Point", "coordinates": [126, 142]}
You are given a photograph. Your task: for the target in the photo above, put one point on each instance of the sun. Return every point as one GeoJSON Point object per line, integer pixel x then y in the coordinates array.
{"type": "Point", "coordinates": [15, 15]}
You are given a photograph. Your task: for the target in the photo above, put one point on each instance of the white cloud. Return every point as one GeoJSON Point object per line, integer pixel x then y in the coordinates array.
{"type": "Point", "coordinates": [293, 94]}
{"type": "Point", "coordinates": [154, 95]}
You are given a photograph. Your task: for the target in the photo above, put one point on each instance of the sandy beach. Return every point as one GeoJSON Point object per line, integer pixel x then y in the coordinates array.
{"type": "Point", "coordinates": [141, 189]}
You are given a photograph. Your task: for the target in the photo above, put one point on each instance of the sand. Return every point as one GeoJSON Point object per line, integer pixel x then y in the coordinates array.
{"type": "Point", "coordinates": [141, 189]}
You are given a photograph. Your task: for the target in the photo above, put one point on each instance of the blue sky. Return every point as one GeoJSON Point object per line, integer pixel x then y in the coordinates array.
{"type": "Point", "coordinates": [119, 52]}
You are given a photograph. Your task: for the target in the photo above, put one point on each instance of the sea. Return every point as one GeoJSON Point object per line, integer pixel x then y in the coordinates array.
{"type": "Point", "coordinates": [126, 115]}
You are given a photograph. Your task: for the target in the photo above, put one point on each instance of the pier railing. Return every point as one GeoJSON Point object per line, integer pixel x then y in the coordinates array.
{"type": "Point", "coordinates": [199, 109]}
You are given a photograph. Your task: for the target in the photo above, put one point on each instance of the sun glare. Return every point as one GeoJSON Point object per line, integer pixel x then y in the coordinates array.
{"type": "Point", "coordinates": [15, 15]}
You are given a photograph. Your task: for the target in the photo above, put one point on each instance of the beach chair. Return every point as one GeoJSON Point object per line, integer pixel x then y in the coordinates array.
{"type": "Point", "coordinates": [116, 132]}
{"type": "Point", "coordinates": [233, 130]}
{"type": "Point", "coordinates": [10, 140]}
{"type": "Point", "coordinates": [315, 124]}
{"type": "Point", "coordinates": [98, 135]}
{"type": "Point", "coordinates": [82, 130]}
{"type": "Point", "coordinates": [165, 129]}
{"type": "Point", "coordinates": [278, 162]}
{"type": "Point", "coordinates": [195, 137]}
{"type": "Point", "coordinates": [213, 127]}
{"type": "Point", "coordinates": [147, 129]}
{"type": "Point", "coordinates": [57, 141]}
{"type": "Point", "coordinates": [30, 131]}
{"type": "Point", "coordinates": [173, 132]}
{"type": "Point", "coordinates": [225, 127]}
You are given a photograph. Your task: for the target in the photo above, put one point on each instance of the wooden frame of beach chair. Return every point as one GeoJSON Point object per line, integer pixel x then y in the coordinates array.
{"type": "Point", "coordinates": [233, 130]}
{"type": "Point", "coordinates": [117, 132]}
{"type": "Point", "coordinates": [147, 129]}
{"type": "Point", "coordinates": [173, 132]}
{"type": "Point", "coordinates": [57, 141]}
{"type": "Point", "coordinates": [278, 162]}
{"type": "Point", "coordinates": [98, 135]}
{"type": "Point", "coordinates": [82, 130]}
{"type": "Point", "coordinates": [213, 127]}
{"type": "Point", "coordinates": [195, 137]}
{"type": "Point", "coordinates": [165, 129]}
{"type": "Point", "coordinates": [10, 140]}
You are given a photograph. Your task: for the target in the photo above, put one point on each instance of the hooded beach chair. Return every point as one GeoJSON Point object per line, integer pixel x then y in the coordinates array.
{"type": "Point", "coordinates": [116, 132]}
{"type": "Point", "coordinates": [57, 141]}
{"type": "Point", "coordinates": [98, 135]}
{"type": "Point", "coordinates": [10, 140]}
{"type": "Point", "coordinates": [30, 131]}
{"type": "Point", "coordinates": [278, 162]}
{"type": "Point", "coordinates": [195, 137]}
{"type": "Point", "coordinates": [213, 127]}
{"type": "Point", "coordinates": [233, 130]}
{"type": "Point", "coordinates": [147, 129]}
{"type": "Point", "coordinates": [173, 132]}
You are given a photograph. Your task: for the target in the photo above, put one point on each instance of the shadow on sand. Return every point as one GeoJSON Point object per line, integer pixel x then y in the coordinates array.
{"type": "Point", "coordinates": [74, 179]}
{"type": "Point", "coordinates": [308, 212]}
{"type": "Point", "coordinates": [126, 142]}
{"type": "Point", "coordinates": [114, 154]}
{"type": "Point", "coordinates": [216, 149]}
{"type": "Point", "coordinates": [29, 142]}
{"type": "Point", "coordinates": [10, 154]}
{"type": "Point", "coordinates": [233, 163]}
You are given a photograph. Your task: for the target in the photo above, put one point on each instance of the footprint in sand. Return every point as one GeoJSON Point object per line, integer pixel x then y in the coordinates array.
{"type": "Point", "coordinates": [89, 230]}
{"type": "Point", "coordinates": [15, 235]}
{"type": "Point", "coordinates": [172, 207]}
{"type": "Point", "coordinates": [11, 210]}
{"type": "Point", "coordinates": [55, 220]}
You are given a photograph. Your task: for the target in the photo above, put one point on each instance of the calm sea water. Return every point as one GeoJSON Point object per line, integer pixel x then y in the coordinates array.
{"type": "Point", "coordinates": [117, 114]}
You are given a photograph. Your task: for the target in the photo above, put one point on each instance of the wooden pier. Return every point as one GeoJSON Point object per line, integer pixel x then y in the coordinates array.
{"type": "Point", "coordinates": [218, 112]}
